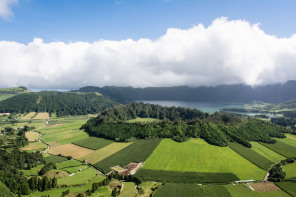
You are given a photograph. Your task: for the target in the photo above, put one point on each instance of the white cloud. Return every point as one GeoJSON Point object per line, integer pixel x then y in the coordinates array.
{"type": "Point", "coordinates": [226, 52]}
{"type": "Point", "coordinates": [5, 8]}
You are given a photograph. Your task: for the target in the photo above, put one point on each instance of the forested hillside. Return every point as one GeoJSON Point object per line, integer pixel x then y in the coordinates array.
{"type": "Point", "coordinates": [221, 93]}
{"type": "Point", "coordinates": [61, 103]}
{"type": "Point", "coordinates": [179, 124]}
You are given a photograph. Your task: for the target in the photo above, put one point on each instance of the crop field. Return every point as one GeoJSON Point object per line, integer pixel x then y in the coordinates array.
{"type": "Point", "coordinates": [129, 190]}
{"type": "Point", "coordinates": [138, 151]}
{"type": "Point", "coordinates": [93, 143]}
{"type": "Point", "coordinates": [54, 159]}
{"type": "Point", "coordinates": [79, 177]}
{"type": "Point", "coordinates": [251, 155]}
{"type": "Point", "coordinates": [70, 150]}
{"type": "Point", "coordinates": [185, 177]}
{"type": "Point", "coordinates": [264, 187]}
{"type": "Point", "coordinates": [282, 148]}
{"type": "Point", "coordinates": [290, 139]}
{"type": "Point", "coordinates": [34, 146]}
{"type": "Point", "coordinates": [241, 190]}
{"type": "Point", "coordinates": [196, 155]}
{"type": "Point", "coordinates": [104, 152]}
{"type": "Point", "coordinates": [288, 187]}
{"type": "Point", "coordinates": [42, 116]}
{"type": "Point", "coordinates": [28, 116]}
{"type": "Point", "coordinates": [32, 136]}
{"type": "Point", "coordinates": [266, 152]}
{"type": "Point", "coordinates": [290, 170]}
{"type": "Point", "coordinates": [177, 190]}
{"type": "Point", "coordinates": [68, 163]}
{"type": "Point", "coordinates": [215, 191]}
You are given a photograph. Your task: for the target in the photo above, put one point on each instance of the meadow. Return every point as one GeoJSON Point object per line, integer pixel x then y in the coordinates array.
{"type": "Point", "coordinates": [93, 143]}
{"type": "Point", "coordinates": [32, 136]}
{"type": "Point", "coordinates": [215, 191]}
{"type": "Point", "coordinates": [104, 152]}
{"type": "Point", "coordinates": [28, 116]}
{"type": "Point", "coordinates": [288, 187]}
{"type": "Point", "coordinates": [41, 116]}
{"type": "Point", "coordinates": [54, 159]}
{"type": "Point", "coordinates": [177, 190]}
{"type": "Point", "coordinates": [34, 146]}
{"type": "Point", "coordinates": [266, 152]}
{"type": "Point", "coordinates": [138, 151]}
{"type": "Point", "coordinates": [290, 170]}
{"type": "Point", "coordinates": [251, 155]}
{"type": "Point", "coordinates": [290, 139]}
{"type": "Point", "coordinates": [70, 150]}
{"type": "Point", "coordinates": [196, 155]}
{"type": "Point", "coordinates": [129, 189]}
{"type": "Point", "coordinates": [68, 163]}
{"type": "Point", "coordinates": [282, 148]}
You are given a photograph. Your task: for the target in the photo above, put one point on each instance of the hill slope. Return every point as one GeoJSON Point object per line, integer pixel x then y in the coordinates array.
{"type": "Point", "coordinates": [61, 103]}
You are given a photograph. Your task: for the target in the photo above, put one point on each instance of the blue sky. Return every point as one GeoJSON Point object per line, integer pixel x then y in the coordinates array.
{"type": "Point", "coordinates": [92, 20]}
{"type": "Point", "coordinates": [68, 44]}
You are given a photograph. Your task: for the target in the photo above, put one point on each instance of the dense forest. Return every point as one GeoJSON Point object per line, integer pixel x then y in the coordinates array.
{"type": "Point", "coordinates": [15, 90]}
{"type": "Point", "coordinates": [61, 103]}
{"type": "Point", "coordinates": [180, 123]}
{"type": "Point", "coordinates": [221, 93]}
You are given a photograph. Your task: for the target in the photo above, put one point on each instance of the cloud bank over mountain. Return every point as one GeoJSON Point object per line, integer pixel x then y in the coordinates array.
{"type": "Point", "coordinates": [226, 52]}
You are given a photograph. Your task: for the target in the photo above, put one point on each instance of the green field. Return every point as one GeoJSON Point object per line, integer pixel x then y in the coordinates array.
{"type": "Point", "coordinates": [196, 155]}
{"type": "Point", "coordinates": [290, 170]}
{"type": "Point", "coordinates": [290, 139]}
{"type": "Point", "coordinates": [75, 169]}
{"type": "Point", "coordinates": [93, 143]}
{"type": "Point", "coordinates": [33, 172]}
{"type": "Point", "coordinates": [145, 120]}
{"type": "Point", "coordinates": [54, 159]}
{"type": "Point", "coordinates": [215, 191]}
{"type": "Point", "coordinates": [68, 163]}
{"type": "Point", "coordinates": [288, 187]}
{"type": "Point", "coordinates": [177, 190]}
{"type": "Point", "coordinates": [34, 146]}
{"type": "Point", "coordinates": [70, 125]}
{"type": "Point", "coordinates": [80, 177]}
{"type": "Point", "coordinates": [251, 155]}
{"type": "Point", "coordinates": [129, 190]}
{"type": "Point", "coordinates": [243, 191]}
{"type": "Point", "coordinates": [138, 151]}
{"type": "Point", "coordinates": [185, 177]}
{"type": "Point", "coordinates": [282, 148]}
{"type": "Point", "coordinates": [266, 152]}
{"type": "Point", "coordinates": [104, 152]}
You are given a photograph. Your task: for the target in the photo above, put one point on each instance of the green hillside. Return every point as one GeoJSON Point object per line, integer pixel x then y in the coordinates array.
{"type": "Point", "coordinates": [61, 103]}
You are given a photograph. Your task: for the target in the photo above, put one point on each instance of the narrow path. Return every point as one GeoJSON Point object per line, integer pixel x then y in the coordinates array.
{"type": "Point", "coordinates": [266, 177]}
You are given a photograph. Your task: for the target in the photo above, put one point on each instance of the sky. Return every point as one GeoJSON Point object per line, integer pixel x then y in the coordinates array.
{"type": "Point", "coordinates": [68, 44]}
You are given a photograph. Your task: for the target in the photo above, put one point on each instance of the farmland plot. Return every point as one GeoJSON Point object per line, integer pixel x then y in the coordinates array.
{"type": "Point", "coordinates": [70, 150]}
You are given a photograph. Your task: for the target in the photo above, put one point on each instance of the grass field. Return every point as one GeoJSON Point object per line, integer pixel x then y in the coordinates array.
{"type": "Point", "coordinates": [290, 139]}
{"type": "Point", "coordinates": [129, 190]}
{"type": "Point", "coordinates": [32, 136]}
{"type": "Point", "coordinates": [33, 172]}
{"type": "Point", "coordinates": [282, 148]}
{"type": "Point", "coordinates": [75, 169]}
{"type": "Point", "coordinates": [138, 151]}
{"type": "Point", "coordinates": [185, 177]}
{"type": "Point", "coordinates": [148, 188]}
{"type": "Point", "coordinates": [288, 187]}
{"type": "Point", "coordinates": [251, 155]}
{"type": "Point", "coordinates": [34, 146]}
{"type": "Point", "coordinates": [145, 120]}
{"type": "Point", "coordinates": [54, 159]}
{"type": "Point", "coordinates": [105, 152]}
{"type": "Point", "coordinates": [56, 174]}
{"type": "Point", "coordinates": [196, 155]}
{"type": "Point", "coordinates": [74, 126]}
{"type": "Point", "coordinates": [66, 137]}
{"type": "Point", "coordinates": [266, 152]}
{"type": "Point", "coordinates": [177, 190]}
{"type": "Point", "coordinates": [290, 170]}
{"type": "Point", "coordinates": [80, 177]}
{"type": "Point", "coordinates": [28, 116]}
{"type": "Point", "coordinates": [93, 143]}
{"type": "Point", "coordinates": [215, 191]}
{"type": "Point", "coordinates": [68, 163]}
{"type": "Point", "coordinates": [70, 150]}
{"type": "Point", "coordinates": [42, 116]}
{"type": "Point", "coordinates": [243, 191]}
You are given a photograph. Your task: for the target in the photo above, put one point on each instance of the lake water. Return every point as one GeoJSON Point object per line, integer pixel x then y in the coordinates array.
{"type": "Point", "coordinates": [209, 107]}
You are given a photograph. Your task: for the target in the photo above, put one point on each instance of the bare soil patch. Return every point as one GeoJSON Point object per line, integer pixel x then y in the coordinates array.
{"type": "Point", "coordinates": [265, 187]}
{"type": "Point", "coordinates": [70, 150]}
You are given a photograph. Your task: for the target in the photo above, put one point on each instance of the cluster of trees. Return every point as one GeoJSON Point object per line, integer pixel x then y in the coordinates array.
{"type": "Point", "coordinates": [286, 122]}
{"type": "Point", "coordinates": [61, 103]}
{"type": "Point", "coordinates": [42, 184]}
{"type": "Point", "coordinates": [276, 173]}
{"type": "Point", "coordinates": [15, 90]}
{"type": "Point", "coordinates": [179, 124]}
{"type": "Point", "coordinates": [47, 167]}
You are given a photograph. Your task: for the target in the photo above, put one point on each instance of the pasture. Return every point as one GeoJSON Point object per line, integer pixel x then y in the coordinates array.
{"type": "Point", "coordinates": [185, 177]}
{"type": "Point", "coordinates": [290, 170]}
{"type": "Point", "coordinates": [42, 116]}
{"type": "Point", "coordinates": [129, 189]}
{"type": "Point", "coordinates": [282, 148]}
{"type": "Point", "coordinates": [266, 152]}
{"type": "Point", "coordinates": [56, 174]}
{"type": "Point", "coordinates": [93, 143]}
{"type": "Point", "coordinates": [104, 152]}
{"type": "Point", "coordinates": [251, 155]}
{"type": "Point", "coordinates": [177, 190]}
{"type": "Point", "coordinates": [54, 159]}
{"type": "Point", "coordinates": [75, 168]}
{"type": "Point", "coordinates": [196, 155]}
{"type": "Point", "coordinates": [290, 139]}
{"type": "Point", "coordinates": [68, 163]}
{"type": "Point", "coordinates": [288, 187]}
{"type": "Point", "coordinates": [34, 146]}
{"type": "Point", "coordinates": [33, 171]}
{"type": "Point", "coordinates": [32, 136]}
{"type": "Point", "coordinates": [215, 191]}
{"type": "Point", "coordinates": [70, 150]}
{"type": "Point", "coordinates": [138, 151]}
{"type": "Point", "coordinates": [28, 116]}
